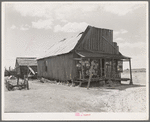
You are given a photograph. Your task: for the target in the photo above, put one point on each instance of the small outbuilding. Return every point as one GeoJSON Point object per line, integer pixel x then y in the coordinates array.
{"type": "Point", "coordinates": [26, 66]}
{"type": "Point", "coordinates": [89, 56]}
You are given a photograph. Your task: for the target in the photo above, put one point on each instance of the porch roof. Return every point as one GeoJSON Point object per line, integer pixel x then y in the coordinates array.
{"type": "Point", "coordinates": [85, 54]}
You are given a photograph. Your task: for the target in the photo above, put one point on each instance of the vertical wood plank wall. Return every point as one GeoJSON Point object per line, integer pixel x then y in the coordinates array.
{"type": "Point", "coordinates": [99, 40]}
{"type": "Point", "coordinates": [59, 67]}
{"type": "Point", "coordinates": [17, 68]}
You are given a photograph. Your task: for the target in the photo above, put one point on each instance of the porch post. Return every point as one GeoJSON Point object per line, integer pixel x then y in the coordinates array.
{"type": "Point", "coordinates": [82, 73]}
{"type": "Point", "coordinates": [82, 70]}
{"type": "Point", "coordinates": [112, 67]}
{"type": "Point", "coordinates": [91, 74]}
{"type": "Point", "coordinates": [105, 68]}
{"type": "Point", "coordinates": [101, 67]}
{"type": "Point", "coordinates": [131, 83]}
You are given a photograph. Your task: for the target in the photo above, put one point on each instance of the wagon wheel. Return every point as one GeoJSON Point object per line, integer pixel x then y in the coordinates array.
{"type": "Point", "coordinates": [8, 85]}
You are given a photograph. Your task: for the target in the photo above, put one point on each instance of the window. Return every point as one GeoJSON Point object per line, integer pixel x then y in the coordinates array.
{"type": "Point", "coordinates": [120, 66]}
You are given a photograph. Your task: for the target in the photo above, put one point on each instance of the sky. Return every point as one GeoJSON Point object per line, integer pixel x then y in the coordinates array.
{"type": "Point", "coordinates": [31, 28]}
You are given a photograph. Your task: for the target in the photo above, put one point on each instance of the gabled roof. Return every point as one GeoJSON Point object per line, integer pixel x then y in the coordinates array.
{"type": "Point", "coordinates": [26, 61]}
{"type": "Point", "coordinates": [63, 46]}
{"type": "Point", "coordinates": [67, 45]}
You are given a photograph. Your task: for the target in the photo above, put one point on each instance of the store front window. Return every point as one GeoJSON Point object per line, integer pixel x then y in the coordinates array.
{"type": "Point", "coordinates": [83, 67]}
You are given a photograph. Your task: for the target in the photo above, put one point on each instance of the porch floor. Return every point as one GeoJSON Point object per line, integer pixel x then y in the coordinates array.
{"type": "Point", "coordinates": [101, 79]}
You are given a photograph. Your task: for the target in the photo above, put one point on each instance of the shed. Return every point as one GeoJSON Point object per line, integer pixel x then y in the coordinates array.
{"type": "Point", "coordinates": [26, 66]}
{"type": "Point", "coordinates": [90, 56]}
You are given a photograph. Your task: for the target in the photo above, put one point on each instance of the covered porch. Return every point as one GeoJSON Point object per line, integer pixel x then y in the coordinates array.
{"type": "Point", "coordinates": [100, 67]}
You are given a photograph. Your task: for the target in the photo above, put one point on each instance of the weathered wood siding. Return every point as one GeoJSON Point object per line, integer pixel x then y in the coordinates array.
{"type": "Point", "coordinates": [60, 67]}
{"type": "Point", "coordinates": [24, 70]}
{"type": "Point", "coordinates": [99, 40]}
{"type": "Point", "coordinates": [17, 68]}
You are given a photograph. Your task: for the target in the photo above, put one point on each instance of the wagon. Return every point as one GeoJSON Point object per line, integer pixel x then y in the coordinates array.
{"type": "Point", "coordinates": [12, 84]}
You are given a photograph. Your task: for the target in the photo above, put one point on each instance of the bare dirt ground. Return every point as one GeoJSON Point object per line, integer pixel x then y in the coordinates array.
{"type": "Point", "coordinates": [48, 97]}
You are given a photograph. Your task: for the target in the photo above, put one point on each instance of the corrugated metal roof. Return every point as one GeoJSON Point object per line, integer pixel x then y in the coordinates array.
{"type": "Point", "coordinates": [24, 61]}
{"type": "Point", "coordinates": [66, 45]}
{"type": "Point", "coordinates": [101, 55]}
{"type": "Point", "coordinates": [62, 47]}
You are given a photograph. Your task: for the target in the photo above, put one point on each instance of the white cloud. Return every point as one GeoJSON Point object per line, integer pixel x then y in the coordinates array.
{"type": "Point", "coordinates": [121, 8]}
{"type": "Point", "coordinates": [24, 27]}
{"type": "Point", "coordinates": [123, 31]}
{"type": "Point", "coordinates": [133, 45]}
{"type": "Point", "coordinates": [119, 39]}
{"type": "Point", "coordinates": [43, 24]}
{"type": "Point", "coordinates": [47, 10]}
{"type": "Point", "coordinates": [65, 11]}
{"type": "Point", "coordinates": [33, 9]}
{"type": "Point", "coordinates": [71, 27]}
{"type": "Point", "coordinates": [61, 11]}
{"type": "Point", "coordinates": [41, 10]}
{"type": "Point", "coordinates": [117, 33]}
{"type": "Point", "coordinates": [13, 27]}
{"type": "Point", "coordinates": [64, 21]}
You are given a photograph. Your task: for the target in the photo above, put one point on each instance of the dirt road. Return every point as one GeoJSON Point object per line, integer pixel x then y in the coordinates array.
{"type": "Point", "coordinates": [47, 97]}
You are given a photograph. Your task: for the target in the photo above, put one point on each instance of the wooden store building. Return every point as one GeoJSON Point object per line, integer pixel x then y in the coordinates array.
{"type": "Point", "coordinates": [90, 56]}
